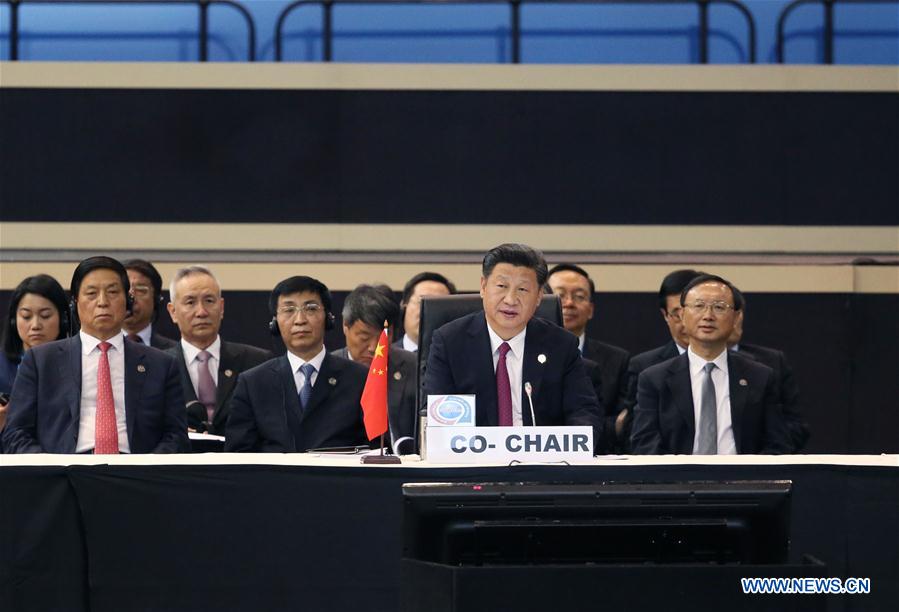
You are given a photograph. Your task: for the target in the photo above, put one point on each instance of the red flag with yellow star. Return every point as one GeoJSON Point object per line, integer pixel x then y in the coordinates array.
{"type": "Point", "coordinates": [374, 396]}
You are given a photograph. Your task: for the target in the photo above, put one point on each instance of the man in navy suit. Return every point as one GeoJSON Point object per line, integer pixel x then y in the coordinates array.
{"type": "Point", "coordinates": [95, 392]}
{"type": "Point", "coordinates": [708, 400]}
{"type": "Point", "coordinates": [306, 399]}
{"type": "Point", "coordinates": [606, 364]}
{"type": "Point", "coordinates": [500, 352]}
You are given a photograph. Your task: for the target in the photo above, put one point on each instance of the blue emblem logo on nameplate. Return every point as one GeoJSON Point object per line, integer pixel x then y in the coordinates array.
{"type": "Point", "coordinates": [451, 410]}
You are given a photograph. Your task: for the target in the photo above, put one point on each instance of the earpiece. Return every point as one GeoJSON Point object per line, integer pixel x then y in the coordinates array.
{"type": "Point", "coordinates": [329, 321]}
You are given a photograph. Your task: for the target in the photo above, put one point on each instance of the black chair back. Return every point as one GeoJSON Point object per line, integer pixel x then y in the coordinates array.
{"type": "Point", "coordinates": [438, 310]}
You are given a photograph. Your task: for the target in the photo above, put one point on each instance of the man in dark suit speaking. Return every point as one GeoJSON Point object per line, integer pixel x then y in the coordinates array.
{"type": "Point", "coordinates": [500, 353]}
{"type": "Point", "coordinates": [306, 399]}
{"type": "Point", "coordinates": [95, 392]}
{"type": "Point", "coordinates": [708, 401]}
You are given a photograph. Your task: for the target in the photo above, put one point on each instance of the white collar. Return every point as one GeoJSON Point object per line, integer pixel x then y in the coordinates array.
{"type": "Point", "coordinates": [145, 334]}
{"type": "Point", "coordinates": [582, 342]}
{"type": "Point", "coordinates": [191, 352]}
{"type": "Point", "coordinates": [297, 362]}
{"type": "Point", "coordinates": [409, 344]}
{"type": "Point", "coordinates": [516, 343]}
{"type": "Point", "coordinates": [697, 362]}
{"type": "Point", "coordinates": [89, 343]}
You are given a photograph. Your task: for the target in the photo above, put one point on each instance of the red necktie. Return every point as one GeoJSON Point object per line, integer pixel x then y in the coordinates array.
{"type": "Point", "coordinates": [503, 388]}
{"type": "Point", "coordinates": [106, 431]}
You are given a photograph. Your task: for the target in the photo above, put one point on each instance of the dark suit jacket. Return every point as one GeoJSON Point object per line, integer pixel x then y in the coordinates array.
{"type": "Point", "coordinates": [797, 428]}
{"type": "Point", "coordinates": [8, 371]}
{"type": "Point", "coordinates": [664, 421]}
{"type": "Point", "coordinates": [46, 401]}
{"type": "Point", "coordinates": [266, 415]}
{"type": "Point", "coordinates": [161, 342]}
{"type": "Point", "coordinates": [613, 363]}
{"type": "Point", "coordinates": [401, 368]}
{"type": "Point", "coordinates": [234, 359]}
{"type": "Point", "coordinates": [460, 361]}
{"type": "Point", "coordinates": [636, 365]}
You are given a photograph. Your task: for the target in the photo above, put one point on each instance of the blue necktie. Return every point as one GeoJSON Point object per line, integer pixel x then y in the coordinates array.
{"type": "Point", "coordinates": [306, 392]}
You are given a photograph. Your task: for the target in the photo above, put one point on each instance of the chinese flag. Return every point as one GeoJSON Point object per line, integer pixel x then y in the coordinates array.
{"type": "Point", "coordinates": [374, 396]}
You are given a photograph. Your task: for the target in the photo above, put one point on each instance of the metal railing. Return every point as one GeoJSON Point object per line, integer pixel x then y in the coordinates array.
{"type": "Point", "coordinates": [202, 34]}
{"type": "Point", "coordinates": [514, 20]}
{"type": "Point", "coordinates": [827, 33]}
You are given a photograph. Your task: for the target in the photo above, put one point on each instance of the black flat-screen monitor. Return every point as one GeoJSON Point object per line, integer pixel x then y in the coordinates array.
{"type": "Point", "coordinates": [738, 522]}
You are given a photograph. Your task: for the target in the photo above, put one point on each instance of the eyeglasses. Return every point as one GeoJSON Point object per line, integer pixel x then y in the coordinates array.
{"type": "Point", "coordinates": [309, 310]}
{"type": "Point", "coordinates": [140, 290]}
{"type": "Point", "coordinates": [675, 314]}
{"type": "Point", "coordinates": [719, 308]}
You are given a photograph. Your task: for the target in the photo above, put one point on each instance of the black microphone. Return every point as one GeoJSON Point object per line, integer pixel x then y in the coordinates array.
{"type": "Point", "coordinates": [196, 416]}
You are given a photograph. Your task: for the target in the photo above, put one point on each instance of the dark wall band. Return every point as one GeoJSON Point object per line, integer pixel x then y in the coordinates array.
{"type": "Point", "coordinates": [357, 156]}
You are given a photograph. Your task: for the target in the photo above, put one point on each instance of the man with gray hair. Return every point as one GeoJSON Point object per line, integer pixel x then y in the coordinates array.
{"type": "Point", "coordinates": [209, 366]}
{"type": "Point", "coordinates": [365, 310]}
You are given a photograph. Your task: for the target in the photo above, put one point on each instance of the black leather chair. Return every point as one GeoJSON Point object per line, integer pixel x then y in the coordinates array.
{"type": "Point", "coordinates": [438, 310]}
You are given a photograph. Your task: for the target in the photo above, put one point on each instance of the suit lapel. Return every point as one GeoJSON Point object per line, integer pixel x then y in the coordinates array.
{"type": "Point", "coordinates": [326, 380]}
{"type": "Point", "coordinates": [738, 397]}
{"type": "Point", "coordinates": [678, 381]}
{"type": "Point", "coordinates": [226, 376]}
{"type": "Point", "coordinates": [73, 362]}
{"type": "Point", "coordinates": [135, 375]}
{"type": "Point", "coordinates": [290, 401]}
{"type": "Point", "coordinates": [531, 371]}
{"type": "Point", "coordinates": [187, 386]}
{"type": "Point", "coordinates": [482, 361]}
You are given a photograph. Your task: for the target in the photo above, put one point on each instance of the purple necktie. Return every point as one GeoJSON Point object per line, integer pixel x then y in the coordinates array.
{"type": "Point", "coordinates": [503, 388]}
{"type": "Point", "coordinates": [205, 384]}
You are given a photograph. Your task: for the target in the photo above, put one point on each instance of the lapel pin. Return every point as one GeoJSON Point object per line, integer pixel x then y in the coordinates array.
{"type": "Point", "coordinates": [743, 382]}
{"type": "Point", "coordinates": [229, 373]}
{"type": "Point", "coordinates": [541, 358]}
{"type": "Point", "coordinates": [141, 368]}
{"type": "Point", "coordinates": [332, 381]}
{"type": "Point", "coordinates": [397, 376]}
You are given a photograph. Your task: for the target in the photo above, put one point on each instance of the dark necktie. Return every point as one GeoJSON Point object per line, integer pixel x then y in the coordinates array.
{"type": "Point", "coordinates": [306, 392]}
{"type": "Point", "coordinates": [503, 388]}
{"type": "Point", "coordinates": [708, 415]}
{"type": "Point", "coordinates": [205, 384]}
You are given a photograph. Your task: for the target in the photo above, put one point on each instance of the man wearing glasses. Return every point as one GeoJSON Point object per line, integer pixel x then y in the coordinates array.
{"type": "Point", "coordinates": [306, 399]}
{"type": "Point", "coordinates": [708, 401]}
{"type": "Point", "coordinates": [606, 364]}
{"type": "Point", "coordinates": [209, 365]}
{"type": "Point", "coordinates": [146, 289]}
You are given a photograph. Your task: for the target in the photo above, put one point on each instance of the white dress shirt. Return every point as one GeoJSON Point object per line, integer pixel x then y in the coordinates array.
{"type": "Point", "coordinates": [90, 363]}
{"type": "Point", "coordinates": [193, 364]}
{"type": "Point", "coordinates": [514, 365]}
{"type": "Point", "coordinates": [409, 344]}
{"type": "Point", "coordinates": [726, 443]}
{"type": "Point", "coordinates": [296, 363]}
{"type": "Point", "coordinates": [581, 341]}
{"type": "Point", "coordinates": [680, 350]}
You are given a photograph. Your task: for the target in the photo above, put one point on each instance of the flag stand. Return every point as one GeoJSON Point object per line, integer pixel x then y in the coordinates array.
{"type": "Point", "coordinates": [382, 458]}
